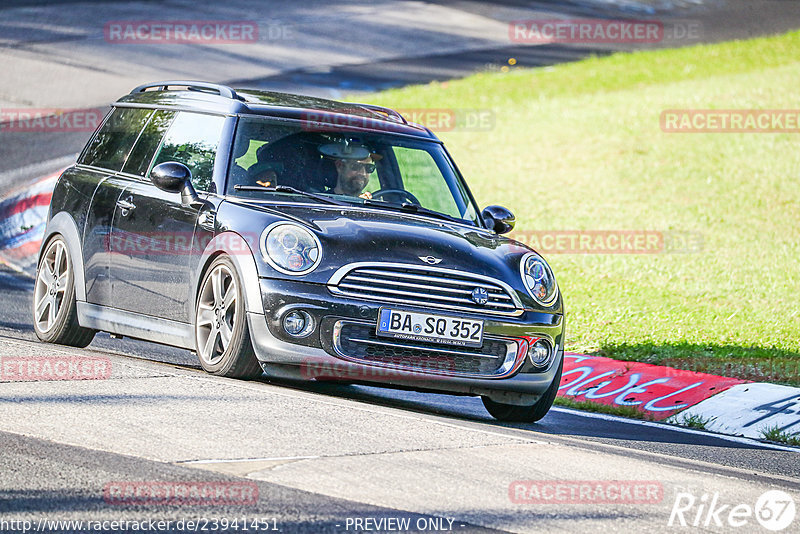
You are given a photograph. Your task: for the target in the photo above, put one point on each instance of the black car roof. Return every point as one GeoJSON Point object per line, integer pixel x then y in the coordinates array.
{"type": "Point", "coordinates": [215, 98]}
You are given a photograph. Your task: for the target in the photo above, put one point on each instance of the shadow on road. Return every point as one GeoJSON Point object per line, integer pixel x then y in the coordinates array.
{"type": "Point", "coordinates": [557, 423]}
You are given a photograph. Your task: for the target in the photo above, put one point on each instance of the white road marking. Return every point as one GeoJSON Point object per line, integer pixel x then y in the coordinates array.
{"type": "Point", "coordinates": [750, 409]}
{"type": "Point", "coordinates": [242, 460]}
{"type": "Point", "coordinates": [681, 429]}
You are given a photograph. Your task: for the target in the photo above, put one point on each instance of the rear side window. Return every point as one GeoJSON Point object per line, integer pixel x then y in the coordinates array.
{"type": "Point", "coordinates": [193, 140]}
{"type": "Point", "coordinates": [145, 148]}
{"type": "Point", "coordinates": [111, 145]}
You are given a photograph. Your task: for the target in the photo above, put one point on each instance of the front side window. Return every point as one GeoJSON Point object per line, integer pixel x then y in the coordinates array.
{"type": "Point", "coordinates": [373, 170]}
{"type": "Point", "coordinates": [422, 176]}
{"type": "Point", "coordinates": [112, 144]}
{"type": "Point", "coordinates": [193, 139]}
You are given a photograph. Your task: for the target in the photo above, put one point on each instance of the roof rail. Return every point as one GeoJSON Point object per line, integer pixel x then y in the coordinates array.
{"type": "Point", "coordinates": [223, 90]}
{"type": "Point", "coordinates": [392, 114]}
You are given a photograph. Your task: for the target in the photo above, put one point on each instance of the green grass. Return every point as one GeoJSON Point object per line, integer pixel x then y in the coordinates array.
{"type": "Point", "coordinates": [578, 147]}
{"type": "Point", "coordinates": [693, 421]}
{"type": "Point", "coordinates": [779, 436]}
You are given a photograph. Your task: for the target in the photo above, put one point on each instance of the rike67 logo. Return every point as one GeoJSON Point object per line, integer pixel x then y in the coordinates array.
{"type": "Point", "coordinates": [774, 510]}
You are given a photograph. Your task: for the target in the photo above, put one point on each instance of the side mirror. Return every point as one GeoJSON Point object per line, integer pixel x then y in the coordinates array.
{"type": "Point", "coordinates": [174, 177]}
{"type": "Point", "coordinates": [499, 219]}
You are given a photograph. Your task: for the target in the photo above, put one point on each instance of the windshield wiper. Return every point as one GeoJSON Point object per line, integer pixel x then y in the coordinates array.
{"type": "Point", "coordinates": [288, 189]}
{"type": "Point", "coordinates": [406, 206]}
{"type": "Point", "coordinates": [412, 208]}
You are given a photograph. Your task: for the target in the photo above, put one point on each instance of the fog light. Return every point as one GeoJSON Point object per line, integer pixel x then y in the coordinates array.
{"type": "Point", "coordinates": [539, 353]}
{"type": "Point", "coordinates": [298, 323]}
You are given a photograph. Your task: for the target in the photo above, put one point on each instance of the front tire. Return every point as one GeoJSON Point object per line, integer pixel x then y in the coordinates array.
{"type": "Point", "coordinates": [525, 414]}
{"type": "Point", "coordinates": [55, 312]}
{"type": "Point", "coordinates": [221, 332]}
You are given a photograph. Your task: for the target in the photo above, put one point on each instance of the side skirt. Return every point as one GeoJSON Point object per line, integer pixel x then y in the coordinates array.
{"type": "Point", "coordinates": [136, 325]}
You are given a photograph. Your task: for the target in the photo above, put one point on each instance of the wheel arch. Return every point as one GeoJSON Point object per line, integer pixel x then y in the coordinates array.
{"type": "Point", "coordinates": [241, 254]}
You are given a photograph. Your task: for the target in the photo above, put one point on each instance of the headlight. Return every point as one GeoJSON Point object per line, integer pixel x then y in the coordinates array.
{"type": "Point", "coordinates": [290, 248]}
{"type": "Point", "coordinates": [538, 279]}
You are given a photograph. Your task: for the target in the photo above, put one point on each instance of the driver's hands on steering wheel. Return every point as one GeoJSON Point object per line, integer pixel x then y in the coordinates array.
{"type": "Point", "coordinates": [405, 194]}
{"type": "Point", "coordinates": [365, 194]}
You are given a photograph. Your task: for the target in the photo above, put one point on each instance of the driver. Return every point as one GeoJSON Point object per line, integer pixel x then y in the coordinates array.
{"type": "Point", "coordinates": [354, 163]}
{"type": "Point", "coordinates": [353, 176]}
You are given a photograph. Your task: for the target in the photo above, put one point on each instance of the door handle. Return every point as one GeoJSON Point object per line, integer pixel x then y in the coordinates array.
{"type": "Point", "coordinates": [126, 205]}
{"type": "Point", "coordinates": [207, 220]}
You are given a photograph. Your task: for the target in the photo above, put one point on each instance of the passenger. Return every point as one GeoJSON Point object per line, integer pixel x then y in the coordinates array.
{"type": "Point", "coordinates": [263, 174]}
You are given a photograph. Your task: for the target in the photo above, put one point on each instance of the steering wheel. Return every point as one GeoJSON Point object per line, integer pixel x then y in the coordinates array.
{"type": "Point", "coordinates": [408, 196]}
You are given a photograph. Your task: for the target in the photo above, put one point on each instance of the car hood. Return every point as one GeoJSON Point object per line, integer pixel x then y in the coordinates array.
{"type": "Point", "coordinates": [351, 235]}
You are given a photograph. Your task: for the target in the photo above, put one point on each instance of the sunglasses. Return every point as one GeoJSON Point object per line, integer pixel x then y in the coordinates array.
{"type": "Point", "coordinates": [368, 167]}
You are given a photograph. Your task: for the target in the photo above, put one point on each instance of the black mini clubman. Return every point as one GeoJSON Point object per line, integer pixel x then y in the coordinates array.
{"type": "Point", "coordinates": [298, 237]}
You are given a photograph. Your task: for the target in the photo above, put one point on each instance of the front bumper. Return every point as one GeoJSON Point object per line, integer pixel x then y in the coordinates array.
{"type": "Point", "coordinates": [318, 356]}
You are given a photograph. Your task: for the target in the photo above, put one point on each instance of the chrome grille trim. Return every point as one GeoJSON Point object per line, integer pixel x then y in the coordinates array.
{"type": "Point", "coordinates": [421, 277]}
{"type": "Point", "coordinates": [358, 278]}
{"type": "Point", "coordinates": [510, 364]}
{"type": "Point", "coordinates": [430, 349]}
{"type": "Point", "coordinates": [368, 280]}
{"type": "Point", "coordinates": [422, 295]}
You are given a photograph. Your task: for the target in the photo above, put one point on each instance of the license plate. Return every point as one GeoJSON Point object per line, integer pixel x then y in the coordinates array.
{"type": "Point", "coordinates": [414, 326]}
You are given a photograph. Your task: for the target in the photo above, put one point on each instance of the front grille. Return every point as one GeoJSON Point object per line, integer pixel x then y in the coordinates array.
{"type": "Point", "coordinates": [358, 341]}
{"type": "Point", "coordinates": [428, 287]}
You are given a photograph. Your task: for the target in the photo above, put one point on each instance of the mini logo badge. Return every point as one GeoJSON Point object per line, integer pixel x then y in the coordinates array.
{"type": "Point", "coordinates": [480, 296]}
{"type": "Point", "coordinates": [430, 260]}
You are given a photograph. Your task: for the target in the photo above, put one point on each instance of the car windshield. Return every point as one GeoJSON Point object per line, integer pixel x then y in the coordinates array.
{"type": "Point", "coordinates": [378, 171]}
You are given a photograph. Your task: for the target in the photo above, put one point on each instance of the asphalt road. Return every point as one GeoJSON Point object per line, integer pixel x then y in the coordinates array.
{"type": "Point", "coordinates": [608, 430]}
{"type": "Point", "coordinates": [65, 483]}
{"type": "Point", "coordinates": [323, 453]}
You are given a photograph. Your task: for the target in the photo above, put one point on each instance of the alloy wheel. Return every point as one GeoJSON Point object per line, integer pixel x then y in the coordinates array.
{"type": "Point", "coordinates": [216, 314]}
{"type": "Point", "coordinates": [51, 284]}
